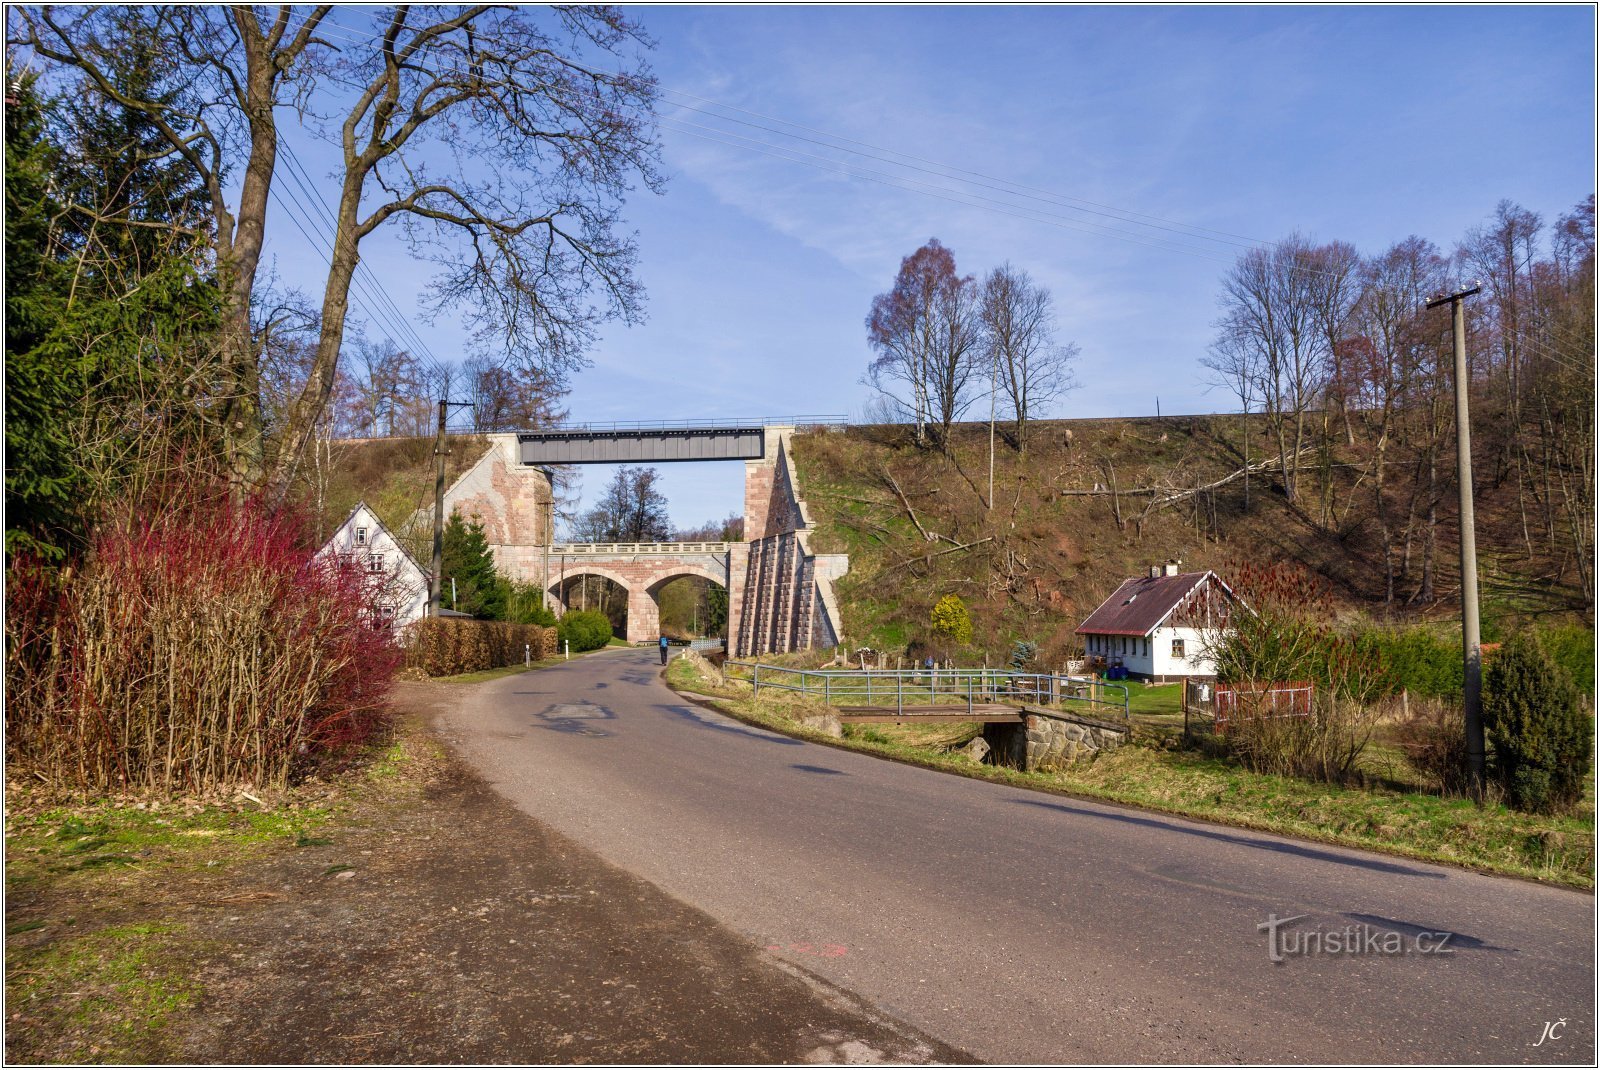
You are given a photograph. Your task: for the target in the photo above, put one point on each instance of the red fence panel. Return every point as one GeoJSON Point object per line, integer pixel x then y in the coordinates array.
{"type": "Point", "coordinates": [1261, 700]}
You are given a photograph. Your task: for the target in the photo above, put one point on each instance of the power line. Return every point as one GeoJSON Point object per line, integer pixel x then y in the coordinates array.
{"type": "Point", "coordinates": [363, 276]}
{"type": "Point", "coordinates": [1016, 189]}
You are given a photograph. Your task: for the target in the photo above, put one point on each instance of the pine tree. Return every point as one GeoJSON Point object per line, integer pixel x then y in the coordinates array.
{"type": "Point", "coordinates": [42, 482]}
{"type": "Point", "coordinates": [479, 589]}
{"type": "Point", "coordinates": [110, 303]}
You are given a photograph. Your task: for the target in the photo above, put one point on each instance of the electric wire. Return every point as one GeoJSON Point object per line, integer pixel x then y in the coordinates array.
{"type": "Point", "coordinates": [394, 320]}
{"type": "Point", "coordinates": [441, 66]}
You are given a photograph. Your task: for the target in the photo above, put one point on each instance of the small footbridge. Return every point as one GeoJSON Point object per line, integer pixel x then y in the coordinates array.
{"type": "Point", "coordinates": [1031, 720]}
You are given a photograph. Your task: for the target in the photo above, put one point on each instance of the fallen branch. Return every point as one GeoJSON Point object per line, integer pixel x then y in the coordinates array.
{"type": "Point", "coordinates": [912, 513]}
{"type": "Point", "coordinates": [939, 553]}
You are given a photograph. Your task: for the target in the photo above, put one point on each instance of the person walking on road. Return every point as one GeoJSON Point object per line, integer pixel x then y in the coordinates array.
{"type": "Point", "coordinates": [663, 650]}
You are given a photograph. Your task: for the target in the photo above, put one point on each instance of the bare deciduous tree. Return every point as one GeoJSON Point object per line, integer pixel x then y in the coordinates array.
{"type": "Point", "coordinates": [477, 127]}
{"type": "Point", "coordinates": [1269, 311]}
{"type": "Point", "coordinates": [1018, 326]}
{"type": "Point", "coordinates": [925, 332]}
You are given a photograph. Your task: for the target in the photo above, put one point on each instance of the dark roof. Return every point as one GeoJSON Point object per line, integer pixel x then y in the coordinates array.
{"type": "Point", "coordinates": [1140, 605]}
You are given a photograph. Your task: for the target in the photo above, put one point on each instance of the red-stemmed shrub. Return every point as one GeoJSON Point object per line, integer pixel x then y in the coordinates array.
{"type": "Point", "coordinates": [197, 645]}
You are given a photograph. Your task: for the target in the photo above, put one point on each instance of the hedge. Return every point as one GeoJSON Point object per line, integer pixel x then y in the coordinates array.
{"type": "Point", "coordinates": [587, 629]}
{"type": "Point", "coordinates": [449, 646]}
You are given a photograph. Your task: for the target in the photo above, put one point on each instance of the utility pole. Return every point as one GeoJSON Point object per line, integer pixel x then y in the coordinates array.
{"type": "Point", "coordinates": [436, 574]}
{"type": "Point", "coordinates": [994, 385]}
{"type": "Point", "coordinates": [1471, 651]}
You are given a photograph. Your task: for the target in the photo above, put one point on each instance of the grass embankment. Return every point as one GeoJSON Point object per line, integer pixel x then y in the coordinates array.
{"type": "Point", "coordinates": [102, 963]}
{"type": "Point", "coordinates": [1491, 838]}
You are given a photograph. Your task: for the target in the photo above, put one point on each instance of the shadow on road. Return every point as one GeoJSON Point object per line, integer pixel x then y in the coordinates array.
{"type": "Point", "coordinates": [687, 713]}
{"type": "Point", "coordinates": [1244, 841]}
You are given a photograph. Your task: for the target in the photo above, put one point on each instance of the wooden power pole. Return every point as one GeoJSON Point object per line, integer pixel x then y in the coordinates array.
{"type": "Point", "coordinates": [436, 574]}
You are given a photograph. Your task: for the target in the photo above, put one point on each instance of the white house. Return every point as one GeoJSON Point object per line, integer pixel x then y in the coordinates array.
{"type": "Point", "coordinates": [1161, 626]}
{"type": "Point", "coordinates": [363, 542]}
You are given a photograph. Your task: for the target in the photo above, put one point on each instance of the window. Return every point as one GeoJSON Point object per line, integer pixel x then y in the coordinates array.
{"type": "Point", "coordinates": [361, 536]}
{"type": "Point", "coordinates": [1177, 648]}
{"type": "Point", "coordinates": [346, 560]}
{"type": "Point", "coordinates": [1147, 646]}
{"type": "Point", "coordinates": [383, 618]}
{"type": "Point", "coordinates": [375, 563]}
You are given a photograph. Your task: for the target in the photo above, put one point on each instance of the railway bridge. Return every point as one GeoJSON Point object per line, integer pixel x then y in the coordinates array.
{"type": "Point", "coordinates": [780, 592]}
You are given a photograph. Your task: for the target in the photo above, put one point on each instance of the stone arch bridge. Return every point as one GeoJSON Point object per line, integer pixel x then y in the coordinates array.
{"type": "Point", "coordinates": [780, 593]}
{"type": "Point", "coordinates": [639, 568]}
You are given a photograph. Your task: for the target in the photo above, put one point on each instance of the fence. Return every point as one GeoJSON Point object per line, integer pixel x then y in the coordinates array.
{"type": "Point", "coordinates": [900, 688]}
{"type": "Point", "coordinates": [1216, 705]}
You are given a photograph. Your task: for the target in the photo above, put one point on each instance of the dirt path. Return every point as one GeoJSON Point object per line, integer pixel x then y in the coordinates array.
{"type": "Point", "coordinates": [432, 922]}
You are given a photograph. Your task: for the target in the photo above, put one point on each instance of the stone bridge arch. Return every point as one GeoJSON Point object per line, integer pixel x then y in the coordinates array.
{"type": "Point", "coordinates": [641, 573]}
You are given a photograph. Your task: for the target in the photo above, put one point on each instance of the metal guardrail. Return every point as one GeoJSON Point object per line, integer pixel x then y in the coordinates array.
{"type": "Point", "coordinates": [899, 688]}
{"type": "Point", "coordinates": [580, 549]}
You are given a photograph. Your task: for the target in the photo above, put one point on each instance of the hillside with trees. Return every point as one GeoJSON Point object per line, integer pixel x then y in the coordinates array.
{"type": "Point", "coordinates": [1341, 457]}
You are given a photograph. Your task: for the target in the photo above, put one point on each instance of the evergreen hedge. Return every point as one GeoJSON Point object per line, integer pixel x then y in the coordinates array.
{"type": "Point", "coordinates": [585, 629]}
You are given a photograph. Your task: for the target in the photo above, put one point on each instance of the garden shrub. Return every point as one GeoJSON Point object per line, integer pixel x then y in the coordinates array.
{"type": "Point", "coordinates": [1416, 660]}
{"type": "Point", "coordinates": [1536, 728]}
{"type": "Point", "coordinates": [1325, 746]}
{"type": "Point", "coordinates": [1433, 737]}
{"type": "Point", "coordinates": [1571, 646]}
{"type": "Point", "coordinates": [201, 646]}
{"type": "Point", "coordinates": [1288, 636]}
{"type": "Point", "coordinates": [951, 619]}
{"type": "Point", "coordinates": [585, 629]}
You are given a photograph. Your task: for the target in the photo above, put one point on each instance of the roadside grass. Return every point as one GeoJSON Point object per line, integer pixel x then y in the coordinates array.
{"type": "Point", "coordinates": [67, 843]}
{"type": "Point", "coordinates": [105, 995]}
{"type": "Point", "coordinates": [98, 968]}
{"type": "Point", "coordinates": [1492, 838]}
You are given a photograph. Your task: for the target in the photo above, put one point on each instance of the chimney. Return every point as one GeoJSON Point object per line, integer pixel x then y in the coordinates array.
{"type": "Point", "coordinates": [1171, 568]}
{"type": "Point", "coordinates": [1155, 571]}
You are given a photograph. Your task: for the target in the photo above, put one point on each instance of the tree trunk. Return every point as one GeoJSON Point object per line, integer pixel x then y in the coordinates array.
{"type": "Point", "coordinates": [307, 408]}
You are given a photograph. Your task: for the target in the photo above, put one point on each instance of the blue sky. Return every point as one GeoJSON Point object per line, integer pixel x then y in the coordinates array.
{"type": "Point", "coordinates": [1365, 124]}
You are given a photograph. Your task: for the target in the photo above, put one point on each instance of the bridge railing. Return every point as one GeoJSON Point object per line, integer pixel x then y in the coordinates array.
{"type": "Point", "coordinates": [581, 549]}
{"type": "Point", "coordinates": [899, 688]}
{"type": "Point", "coordinates": [809, 420]}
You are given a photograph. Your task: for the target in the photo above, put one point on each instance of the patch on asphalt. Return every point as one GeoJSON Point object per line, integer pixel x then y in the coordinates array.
{"type": "Point", "coordinates": [576, 718]}
{"type": "Point", "coordinates": [567, 711]}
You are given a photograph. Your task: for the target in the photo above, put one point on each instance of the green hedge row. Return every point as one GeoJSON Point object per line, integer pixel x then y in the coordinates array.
{"type": "Point", "coordinates": [449, 646]}
{"type": "Point", "coordinates": [1428, 663]}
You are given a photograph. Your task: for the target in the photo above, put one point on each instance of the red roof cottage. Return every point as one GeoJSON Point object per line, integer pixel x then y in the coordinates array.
{"type": "Point", "coordinates": [1161, 626]}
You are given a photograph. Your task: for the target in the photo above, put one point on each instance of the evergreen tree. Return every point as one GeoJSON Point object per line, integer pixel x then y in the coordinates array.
{"type": "Point", "coordinates": [42, 482]}
{"type": "Point", "coordinates": [479, 589]}
{"type": "Point", "coordinates": [1534, 720]}
{"type": "Point", "coordinates": [110, 304]}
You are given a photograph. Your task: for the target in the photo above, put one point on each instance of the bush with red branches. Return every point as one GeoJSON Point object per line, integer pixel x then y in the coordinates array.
{"type": "Point", "coordinates": [198, 645]}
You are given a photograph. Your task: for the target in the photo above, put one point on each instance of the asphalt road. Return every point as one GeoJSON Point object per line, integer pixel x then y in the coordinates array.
{"type": "Point", "coordinates": [1025, 927]}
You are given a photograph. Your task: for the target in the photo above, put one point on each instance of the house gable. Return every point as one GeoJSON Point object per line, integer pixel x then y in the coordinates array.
{"type": "Point", "coordinates": [363, 535]}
